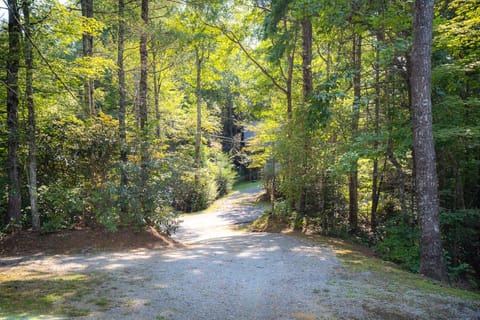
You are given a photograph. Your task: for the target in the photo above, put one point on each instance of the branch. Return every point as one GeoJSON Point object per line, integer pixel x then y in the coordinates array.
{"type": "Point", "coordinates": [233, 39]}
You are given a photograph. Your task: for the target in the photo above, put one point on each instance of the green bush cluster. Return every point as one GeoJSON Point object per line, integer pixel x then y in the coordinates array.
{"type": "Point", "coordinates": [461, 238]}
{"type": "Point", "coordinates": [399, 242]}
{"type": "Point", "coordinates": [194, 190]}
{"type": "Point", "coordinates": [79, 172]}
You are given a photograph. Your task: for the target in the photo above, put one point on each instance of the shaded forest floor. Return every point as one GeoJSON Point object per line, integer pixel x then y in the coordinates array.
{"type": "Point", "coordinates": [81, 241]}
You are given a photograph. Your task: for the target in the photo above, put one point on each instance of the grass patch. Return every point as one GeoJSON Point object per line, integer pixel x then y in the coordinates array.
{"type": "Point", "coordinates": [101, 302]}
{"type": "Point", "coordinates": [245, 185]}
{"type": "Point", "coordinates": [361, 260]}
{"type": "Point", "coordinates": [30, 294]}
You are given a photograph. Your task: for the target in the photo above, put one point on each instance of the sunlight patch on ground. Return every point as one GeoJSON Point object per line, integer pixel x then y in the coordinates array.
{"type": "Point", "coordinates": [304, 316]}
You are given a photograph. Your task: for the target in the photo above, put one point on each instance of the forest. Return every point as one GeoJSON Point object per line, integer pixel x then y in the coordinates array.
{"type": "Point", "coordinates": [122, 113]}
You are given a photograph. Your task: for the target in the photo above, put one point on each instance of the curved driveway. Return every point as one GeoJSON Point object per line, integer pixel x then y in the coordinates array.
{"type": "Point", "coordinates": [221, 274]}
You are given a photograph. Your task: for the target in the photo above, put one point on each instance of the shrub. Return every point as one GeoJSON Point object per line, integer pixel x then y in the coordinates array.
{"type": "Point", "coordinates": [193, 191]}
{"type": "Point", "coordinates": [61, 205]}
{"type": "Point", "coordinates": [461, 242]}
{"type": "Point", "coordinates": [400, 243]}
{"type": "Point", "coordinates": [223, 172]}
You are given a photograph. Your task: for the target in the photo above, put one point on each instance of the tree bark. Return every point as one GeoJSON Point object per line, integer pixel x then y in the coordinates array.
{"type": "Point", "coordinates": [307, 86]}
{"type": "Point", "coordinates": [143, 86]}
{"type": "Point", "coordinates": [289, 77]}
{"type": "Point", "coordinates": [307, 58]}
{"type": "Point", "coordinates": [198, 93]}
{"type": "Point", "coordinates": [142, 103]}
{"type": "Point", "coordinates": [353, 176]}
{"type": "Point", "coordinates": [431, 259]}
{"type": "Point", "coordinates": [87, 40]}
{"type": "Point", "coordinates": [375, 173]}
{"type": "Point", "coordinates": [122, 106]}
{"type": "Point", "coordinates": [288, 96]}
{"type": "Point", "coordinates": [375, 196]}
{"type": "Point", "coordinates": [13, 61]}
{"type": "Point", "coordinates": [289, 81]}
{"type": "Point", "coordinates": [156, 93]}
{"type": "Point", "coordinates": [32, 150]}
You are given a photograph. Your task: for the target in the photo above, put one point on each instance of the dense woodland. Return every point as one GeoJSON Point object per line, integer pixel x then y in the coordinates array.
{"type": "Point", "coordinates": [122, 113]}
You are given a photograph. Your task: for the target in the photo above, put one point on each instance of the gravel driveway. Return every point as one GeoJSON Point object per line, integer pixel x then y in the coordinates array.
{"type": "Point", "coordinates": [222, 274]}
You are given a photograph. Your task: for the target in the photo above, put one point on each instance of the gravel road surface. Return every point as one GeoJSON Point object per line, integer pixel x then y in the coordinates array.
{"type": "Point", "coordinates": [224, 273]}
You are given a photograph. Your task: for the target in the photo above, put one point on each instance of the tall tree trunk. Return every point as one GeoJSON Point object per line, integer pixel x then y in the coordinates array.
{"type": "Point", "coordinates": [375, 173]}
{"type": "Point", "coordinates": [32, 150]}
{"type": "Point", "coordinates": [142, 103]}
{"type": "Point", "coordinates": [353, 177]}
{"type": "Point", "coordinates": [13, 60]}
{"type": "Point", "coordinates": [289, 77]}
{"type": "Point", "coordinates": [198, 93]}
{"type": "Point", "coordinates": [476, 196]}
{"type": "Point", "coordinates": [375, 196]}
{"type": "Point", "coordinates": [156, 93]}
{"type": "Point", "coordinates": [431, 259]}
{"type": "Point", "coordinates": [288, 96]}
{"type": "Point", "coordinates": [87, 39]}
{"type": "Point", "coordinates": [307, 58]}
{"type": "Point", "coordinates": [122, 106]}
{"type": "Point", "coordinates": [288, 93]}
{"type": "Point", "coordinates": [307, 88]}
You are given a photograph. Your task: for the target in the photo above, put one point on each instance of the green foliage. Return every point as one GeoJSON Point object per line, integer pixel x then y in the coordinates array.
{"type": "Point", "coordinates": [274, 219]}
{"type": "Point", "coordinates": [194, 190]}
{"type": "Point", "coordinates": [399, 242]}
{"type": "Point", "coordinates": [61, 206]}
{"type": "Point", "coordinates": [224, 174]}
{"type": "Point", "coordinates": [461, 237]}
{"type": "Point", "coordinates": [458, 32]}
{"type": "Point", "coordinates": [79, 182]}
{"type": "Point", "coordinates": [281, 209]}
{"type": "Point", "coordinates": [278, 12]}
{"type": "Point", "coordinates": [3, 199]}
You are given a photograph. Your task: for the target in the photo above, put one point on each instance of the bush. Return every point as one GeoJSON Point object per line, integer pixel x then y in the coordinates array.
{"type": "Point", "coordinates": [135, 206]}
{"type": "Point", "coordinates": [400, 243]}
{"type": "Point", "coordinates": [221, 168]}
{"type": "Point", "coordinates": [274, 220]}
{"type": "Point", "coordinates": [461, 242]}
{"type": "Point", "coordinates": [460, 238]}
{"type": "Point", "coordinates": [61, 206]}
{"type": "Point", "coordinates": [193, 191]}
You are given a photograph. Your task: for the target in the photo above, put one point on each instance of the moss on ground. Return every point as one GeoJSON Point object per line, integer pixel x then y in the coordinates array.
{"type": "Point", "coordinates": [28, 294]}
